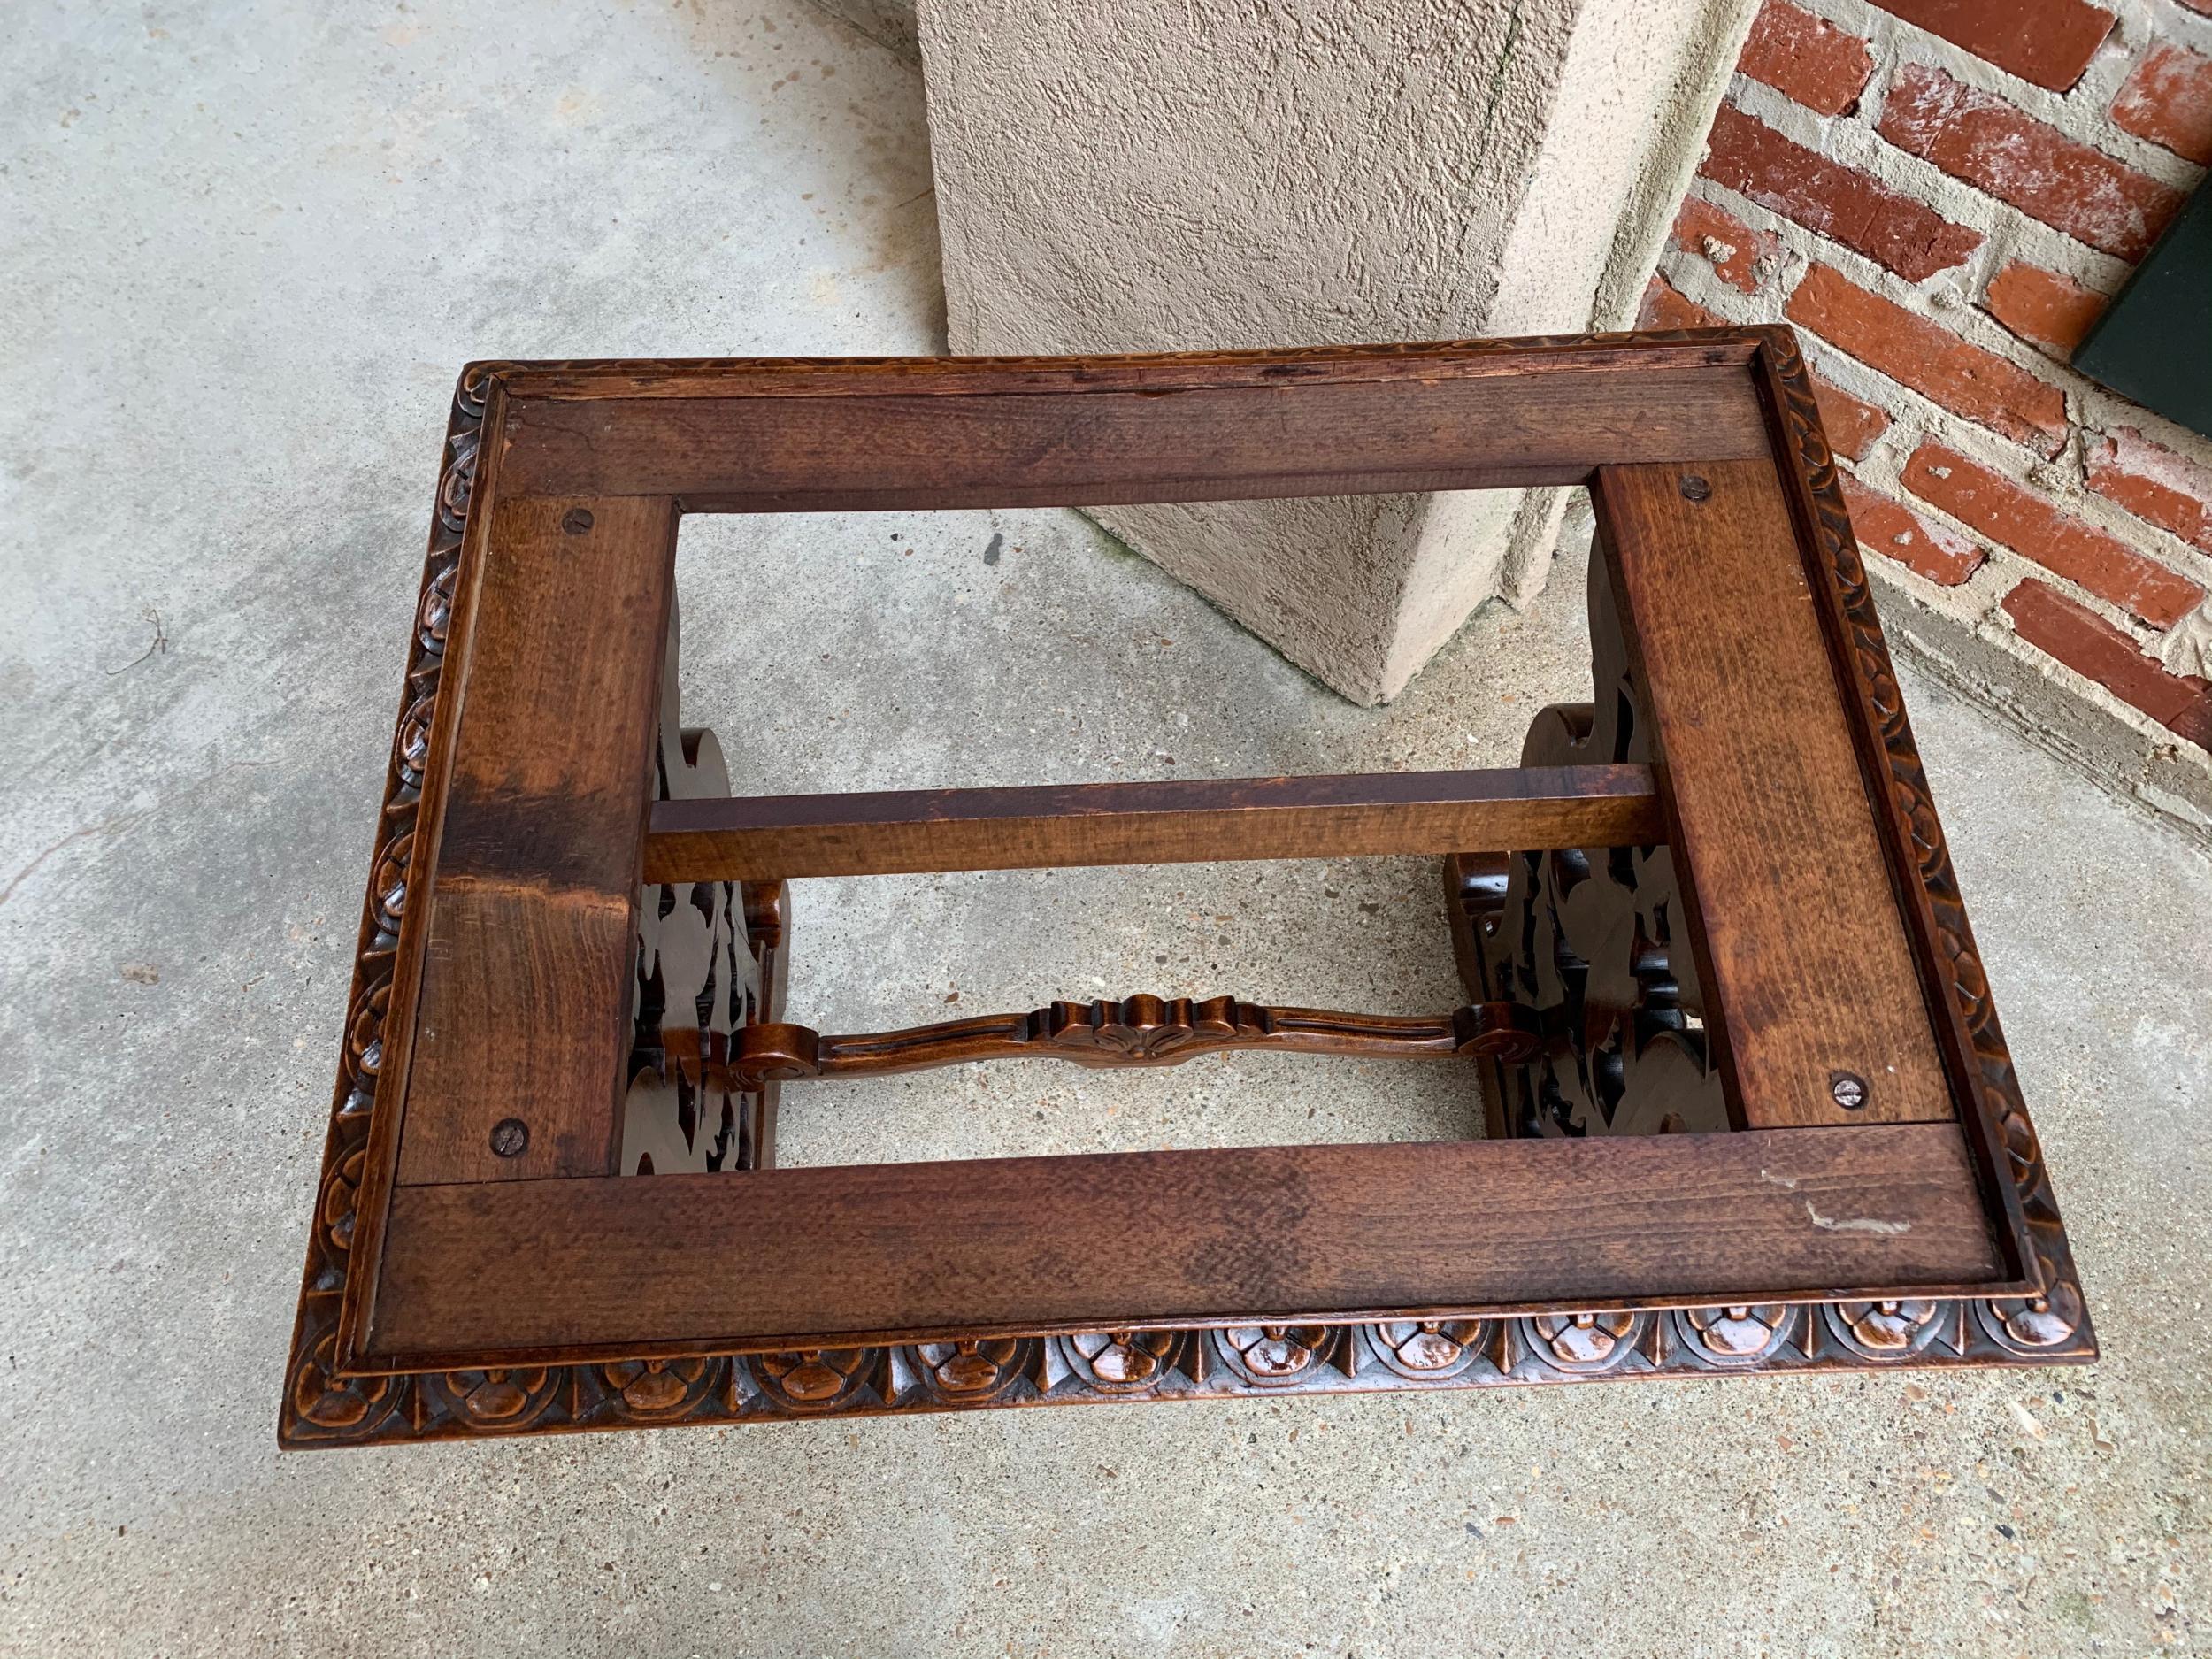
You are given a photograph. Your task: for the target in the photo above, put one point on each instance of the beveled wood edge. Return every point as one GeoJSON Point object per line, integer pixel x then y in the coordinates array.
{"type": "Point", "coordinates": [322, 1407]}
{"type": "Point", "coordinates": [1726, 347]}
{"type": "Point", "coordinates": [1983, 1084]}
{"type": "Point", "coordinates": [464, 489]}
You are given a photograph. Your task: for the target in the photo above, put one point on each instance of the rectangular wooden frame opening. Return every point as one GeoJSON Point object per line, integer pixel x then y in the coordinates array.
{"type": "Point", "coordinates": [1742, 792]}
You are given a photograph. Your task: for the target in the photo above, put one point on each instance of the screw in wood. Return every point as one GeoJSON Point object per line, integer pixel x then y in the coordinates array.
{"type": "Point", "coordinates": [1694, 488]}
{"type": "Point", "coordinates": [576, 520]}
{"type": "Point", "coordinates": [510, 1137]}
{"type": "Point", "coordinates": [1848, 1089]}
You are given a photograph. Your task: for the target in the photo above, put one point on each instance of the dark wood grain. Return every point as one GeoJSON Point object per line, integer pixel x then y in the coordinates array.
{"type": "Point", "coordinates": [2015, 1185]}
{"type": "Point", "coordinates": [361, 1160]}
{"type": "Point", "coordinates": [1539, 1261]}
{"type": "Point", "coordinates": [1393, 362]}
{"type": "Point", "coordinates": [1802, 952]}
{"type": "Point", "coordinates": [897, 1252]}
{"type": "Point", "coordinates": [778, 837]}
{"type": "Point", "coordinates": [904, 450]}
{"type": "Point", "coordinates": [524, 1005]}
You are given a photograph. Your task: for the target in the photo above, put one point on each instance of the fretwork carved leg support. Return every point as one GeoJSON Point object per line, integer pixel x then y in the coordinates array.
{"type": "Point", "coordinates": [1590, 938]}
{"type": "Point", "coordinates": [709, 962]}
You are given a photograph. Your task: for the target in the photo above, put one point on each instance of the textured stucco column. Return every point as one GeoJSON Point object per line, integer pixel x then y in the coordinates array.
{"type": "Point", "coordinates": [1157, 175]}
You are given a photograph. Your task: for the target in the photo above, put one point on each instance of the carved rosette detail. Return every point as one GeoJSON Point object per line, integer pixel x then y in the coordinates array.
{"type": "Point", "coordinates": [806, 1381]}
{"type": "Point", "coordinates": [1427, 1350]}
{"type": "Point", "coordinates": [354, 1407]}
{"type": "Point", "coordinates": [2031, 1324]}
{"type": "Point", "coordinates": [1886, 1332]}
{"type": "Point", "coordinates": [658, 1390]}
{"type": "Point", "coordinates": [322, 1408]}
{"type": "Point", "coordinates": [973, 1372]}
{"type": "Point", "coordinates": [1277, 1356]}
{"type": "Point", "coordinates": [1742, 1334]}
{"type": "Point", "coordinates": [1121, 1362]}
{"type": "Point", "coordinates": [1582, 1344]}
{"type": "Point", "coordinates": [498, 1402]}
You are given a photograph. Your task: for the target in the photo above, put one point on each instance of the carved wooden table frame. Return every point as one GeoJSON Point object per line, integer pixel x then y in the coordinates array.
{"type": "Point", "coordinates": [1748, 1107]}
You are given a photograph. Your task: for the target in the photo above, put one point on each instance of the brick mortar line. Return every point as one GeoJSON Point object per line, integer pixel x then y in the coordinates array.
{"type": "Point", "coordinates": [1959, 200]}
{"type": "Point", "coordinates": [1973, 611]}
{"type": "Point", "coordinates": [1994, 625]}
{"type": "Point", "coordinates": [1917, 418]}
{"type": "Point", "coordinates": [2090, 406]}
{"type": "Point", "coordinates": [2140, 26]}
{"type": "Point", "coordinates": [1883, 470]}
{"type": "Point", "coordinates": [2144, 738]}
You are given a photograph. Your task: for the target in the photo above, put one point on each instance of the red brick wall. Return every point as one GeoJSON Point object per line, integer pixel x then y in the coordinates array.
{"type": "Point", "coordinates": [1942, 194]}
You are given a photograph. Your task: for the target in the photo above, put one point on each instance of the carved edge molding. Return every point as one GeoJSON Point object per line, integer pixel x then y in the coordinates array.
{"type": "Point", "coordinates": [318, 1405]}
{"type": "Point", "coordinates": [2057, 1322]}
{"type": "Point", "coordinates": [1230, 1362]}
{"type": "Point", "coordinates": [320, 1409]}
{"type": "Point", "coordinates": [1716, 346]}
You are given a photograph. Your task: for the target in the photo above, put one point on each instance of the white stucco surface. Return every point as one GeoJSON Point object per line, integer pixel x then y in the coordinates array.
{"type": "Point", "coordinates": [1151, 177]}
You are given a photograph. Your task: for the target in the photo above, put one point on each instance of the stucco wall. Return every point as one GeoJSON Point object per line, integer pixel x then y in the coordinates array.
{"type": "Point", "coordinates": [1157, 177]}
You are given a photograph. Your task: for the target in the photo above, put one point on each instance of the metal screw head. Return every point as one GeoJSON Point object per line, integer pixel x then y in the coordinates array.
{"type": "Point", "coordinates": [1694, 488]}
{"type": "Point", "coordinates": [1848, 1089]}
{"type": "Point", "coordinates": [510, 1137]}
{"type": "Point", "coordinates": [576, 520]}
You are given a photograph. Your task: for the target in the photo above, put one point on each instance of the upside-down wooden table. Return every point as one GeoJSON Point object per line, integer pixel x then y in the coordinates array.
{"type": "Point", "coordinates": [1747, 1106]}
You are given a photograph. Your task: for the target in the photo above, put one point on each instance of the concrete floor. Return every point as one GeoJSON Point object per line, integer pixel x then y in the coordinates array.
{"type": "Point", "coordinates": [243, 254]}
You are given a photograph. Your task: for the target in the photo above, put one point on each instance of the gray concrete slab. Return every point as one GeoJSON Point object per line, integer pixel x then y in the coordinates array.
{"type": "Point", "coordinates": [215, 222]}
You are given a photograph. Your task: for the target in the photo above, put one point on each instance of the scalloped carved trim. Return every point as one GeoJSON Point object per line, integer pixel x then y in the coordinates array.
{"type": "Point", "coordinates": [1102, 1367]}
{"type": "Point", "coordinates": [2057, 1322]}
{"type": "Point", "coordinates": [318, 1405]}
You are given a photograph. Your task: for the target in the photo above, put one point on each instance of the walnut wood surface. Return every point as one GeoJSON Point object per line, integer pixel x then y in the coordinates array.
{"type": "Point", "coordinates": [2000, 1133]}
{"type": "Point", "coordinates": [765, 837]}
{"type": "Point", "coordinates": [525, 1006]}
{"type": "Point", "coordinates": [1595, 938]}
{"type": "Point", "coordinates": [633, 379]}
{"type": "Point", "coordinates": [903, 1251]}
{"type": "Point", "coordinates": [1255, 437]}
{"type": "Point", "coordinates": [1803, 957]}
{"type": "Point", "coordinates": [528, 1249]}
